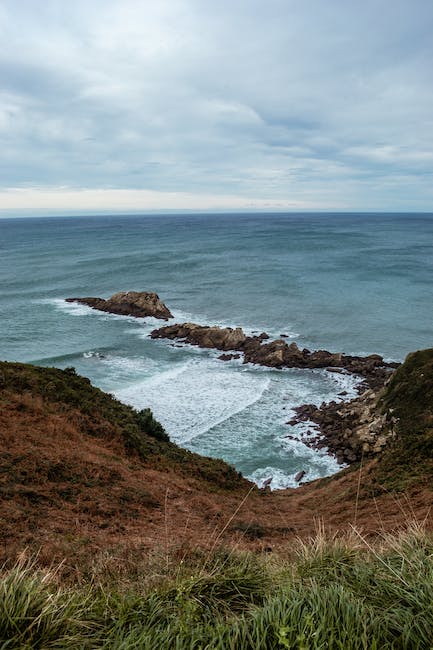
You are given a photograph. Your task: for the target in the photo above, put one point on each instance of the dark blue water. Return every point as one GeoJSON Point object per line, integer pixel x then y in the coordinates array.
{"type": "Point", "coordinates": [353, 283]}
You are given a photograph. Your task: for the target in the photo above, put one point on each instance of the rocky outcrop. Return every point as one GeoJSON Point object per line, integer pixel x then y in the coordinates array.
{"type": "Point", "coordinates": [218, 338]}
{"type": "Point", "coordinates": [354, 430]}
{"type": "Point", "coordinates": [279, 353]}
{"type": "Point", "coordinates": [129, 303]}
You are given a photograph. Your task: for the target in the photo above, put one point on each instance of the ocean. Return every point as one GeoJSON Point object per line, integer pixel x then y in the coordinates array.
{"type": "Point", "coordinates": [352, 283]}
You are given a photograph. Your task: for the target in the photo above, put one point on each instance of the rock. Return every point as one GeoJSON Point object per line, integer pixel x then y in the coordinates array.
{"type": "Point", "coordinates": [275, 354]}
{"type": "Point", "coordinates": [219, 338]}
{"type": "Point", "coordinates": [278, 353]}
{"type": "Point", "coordinates": [352, 430]}
{"type": "Point", "coordinates": [228, 357]}
{"type": "Point", "coordinates": [300, 475]}
{"type": "Point", "coordinates": [129, 303]}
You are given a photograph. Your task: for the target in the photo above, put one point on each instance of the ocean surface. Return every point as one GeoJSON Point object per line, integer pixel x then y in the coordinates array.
{"type": "Point", "coordinates": [358, 284]}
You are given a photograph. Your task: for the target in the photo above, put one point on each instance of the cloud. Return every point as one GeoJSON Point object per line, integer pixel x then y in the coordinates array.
{"type": "Point", "coordinates": [64, 199]}
{"type": "Point", "coordinates": [289, 101]}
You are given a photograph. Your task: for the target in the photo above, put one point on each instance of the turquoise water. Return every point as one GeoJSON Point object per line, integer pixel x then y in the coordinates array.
{"type": "Point", "coordinates": [353, 283]}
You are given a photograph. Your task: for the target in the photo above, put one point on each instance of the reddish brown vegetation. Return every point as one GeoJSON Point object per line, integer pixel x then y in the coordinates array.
{"type": "Point", "coordinates": [71, 488]}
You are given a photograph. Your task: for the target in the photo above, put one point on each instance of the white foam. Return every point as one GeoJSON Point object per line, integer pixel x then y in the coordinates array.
{"type": "Point", "coordinates": [227, 409]}
{"type": "Point", "coordinates": [320, 465]}
{"type": "Point", "coordinates": [72, 308]}
{"type": "Point", "coordinates": [195, 396]}
{"type": "Point", "coordinates": [280, 480]}
{"type": "Point", "coordinates": [131, 365]}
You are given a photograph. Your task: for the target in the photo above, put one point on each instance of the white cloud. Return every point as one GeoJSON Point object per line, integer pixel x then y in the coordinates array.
{"type": "Point", "coordinates": [274, 101]}
{"type": "Point", "coordinates": [61, 199]}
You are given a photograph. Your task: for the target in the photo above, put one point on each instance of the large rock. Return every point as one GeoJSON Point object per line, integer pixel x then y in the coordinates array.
{"type": "Point", "coordinates": [129, 303]}
{"type": "Point", "coordinates": [219, 338]}
{"type": "Point", "coordinates": [278, 354]}
{"type": "Point", "coordinates": [350, 430]}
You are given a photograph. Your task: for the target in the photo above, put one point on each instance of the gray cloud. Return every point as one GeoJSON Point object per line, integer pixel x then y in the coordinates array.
{"type": "Point", "coordinates": [318, 103]}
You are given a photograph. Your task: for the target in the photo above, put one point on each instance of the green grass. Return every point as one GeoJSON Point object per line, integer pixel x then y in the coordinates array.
{"type": "Point", "coordinates": [338, 593]}
{"type": "Point", "coordinates": [408, 401]}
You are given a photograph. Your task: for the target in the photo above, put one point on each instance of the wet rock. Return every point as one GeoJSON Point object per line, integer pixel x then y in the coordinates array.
{"type": "Point", "coordinates": [229, 357]}
{"type": "Point", "coordinates": [351, 431]}
{"type": "Point", "coordinates": [279, 354]}
{"type": "Point", "coordinates": [129, 303]}
{"type": "Point", "coordinates": [300, 475]}
{"type": "Point", "coordinates": [219, 338]}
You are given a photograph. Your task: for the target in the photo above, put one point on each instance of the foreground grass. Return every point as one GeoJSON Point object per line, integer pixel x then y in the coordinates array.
{"type": "Point", "coordinates": [325, 594]}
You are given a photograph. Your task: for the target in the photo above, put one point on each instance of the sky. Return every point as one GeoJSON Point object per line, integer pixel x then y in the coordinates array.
{"type": "Point", "coordinates": [126, 105]}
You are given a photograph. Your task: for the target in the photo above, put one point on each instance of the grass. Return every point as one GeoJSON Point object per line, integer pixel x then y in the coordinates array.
{"type": "Point", "coordinates": [326, 593]}
{"type": "Point", "coordinates": [104, 416]}
{"type": "Point", "coordinates": [408, 402]}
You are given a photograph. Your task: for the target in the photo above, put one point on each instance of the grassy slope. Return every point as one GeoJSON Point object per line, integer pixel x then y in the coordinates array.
{"type": "Point", "coordinates": [320, 594]}
{"type": "Point", "coordinates": [80, 473]}
{"type": "Point", "coordinates": [409, 399]}
{"type": "Point", "coordinates": [104, 416]}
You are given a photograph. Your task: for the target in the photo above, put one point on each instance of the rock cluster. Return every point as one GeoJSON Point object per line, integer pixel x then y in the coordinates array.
{"type": "Point", "coordinates": [129, 303]}
{"type": "Point", "coordinates": [276, 354]}
{"type": "Point", "coordinates": [218, 338]}
{"type": "Point", "coordinates": [351, 430]}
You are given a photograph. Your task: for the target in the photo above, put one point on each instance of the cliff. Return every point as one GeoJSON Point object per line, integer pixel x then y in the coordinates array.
{"type": "Point", "coordinates": [82, 473]}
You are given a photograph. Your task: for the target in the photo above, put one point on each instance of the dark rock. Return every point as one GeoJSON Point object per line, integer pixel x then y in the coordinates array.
{"type": "Point", "coordinates": [300, 475]}
{"type": "Point", "coordinates": [352, 430]}
{"type": "Point", "coordinates": [279, 354]}
{"type": "Point", "coordinates": [228, 357]}
{"type": "Point", "coordinates": [219, 338]}
{"type": "Point", "coordinates": [129, 303]}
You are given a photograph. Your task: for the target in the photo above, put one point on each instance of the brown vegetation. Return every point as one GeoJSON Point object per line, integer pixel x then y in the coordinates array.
{"type": "Point", "coordinates": [78, 478]}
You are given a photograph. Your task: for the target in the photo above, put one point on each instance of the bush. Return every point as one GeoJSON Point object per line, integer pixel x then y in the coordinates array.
{"type": "Point", "coordinates": [152, 427]}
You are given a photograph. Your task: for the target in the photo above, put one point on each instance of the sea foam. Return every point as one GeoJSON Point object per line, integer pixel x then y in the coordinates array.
{"type": "Point", "coordinates": [194, 396]}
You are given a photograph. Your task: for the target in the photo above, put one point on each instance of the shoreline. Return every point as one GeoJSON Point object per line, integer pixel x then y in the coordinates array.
{"type": "Point", "coordinates": [337, 426]}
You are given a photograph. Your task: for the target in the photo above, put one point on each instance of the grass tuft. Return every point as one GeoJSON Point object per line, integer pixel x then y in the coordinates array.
{"type": "Point", "coordinates": [337, 593]}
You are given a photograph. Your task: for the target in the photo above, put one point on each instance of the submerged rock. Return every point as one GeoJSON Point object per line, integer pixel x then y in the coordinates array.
{"type": "Point", "coordinates": [129, 303]}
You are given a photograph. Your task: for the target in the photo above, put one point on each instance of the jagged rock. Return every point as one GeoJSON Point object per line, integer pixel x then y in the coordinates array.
{"type": "Point", "coordinates": [275, 354]}
{"type": "Point", "coordinates": [278, 353]}
{"type": "Point", "coordinates": [220, 338]}
{"type": "Point", "coordinates": [351, 431]}
{"type": "Point", "coordinates": [129, 303]}
{"type": "Point", "coordinates": [228, 357]}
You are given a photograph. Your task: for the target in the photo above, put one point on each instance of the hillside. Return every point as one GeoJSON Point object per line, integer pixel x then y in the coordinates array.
{"type": "Point", "coordinates": [83, 475]}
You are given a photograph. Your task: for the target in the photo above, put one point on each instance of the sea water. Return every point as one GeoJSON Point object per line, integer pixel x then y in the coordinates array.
{"type": "Point", "coordinates": [351, 283]}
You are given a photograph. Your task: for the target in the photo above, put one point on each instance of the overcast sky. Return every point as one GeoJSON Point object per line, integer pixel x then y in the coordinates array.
{"type": "Point", "coordinates": [206, 104]}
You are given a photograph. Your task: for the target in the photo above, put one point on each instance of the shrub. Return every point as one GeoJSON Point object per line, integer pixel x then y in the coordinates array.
{"type": "Point", "coordinates": [152, 427]}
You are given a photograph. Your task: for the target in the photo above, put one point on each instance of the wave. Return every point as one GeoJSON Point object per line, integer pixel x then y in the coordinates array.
{"type": "Point", "coordinates": [148, 323]}
{"type": "Point", "coordinates": [195, 396]}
